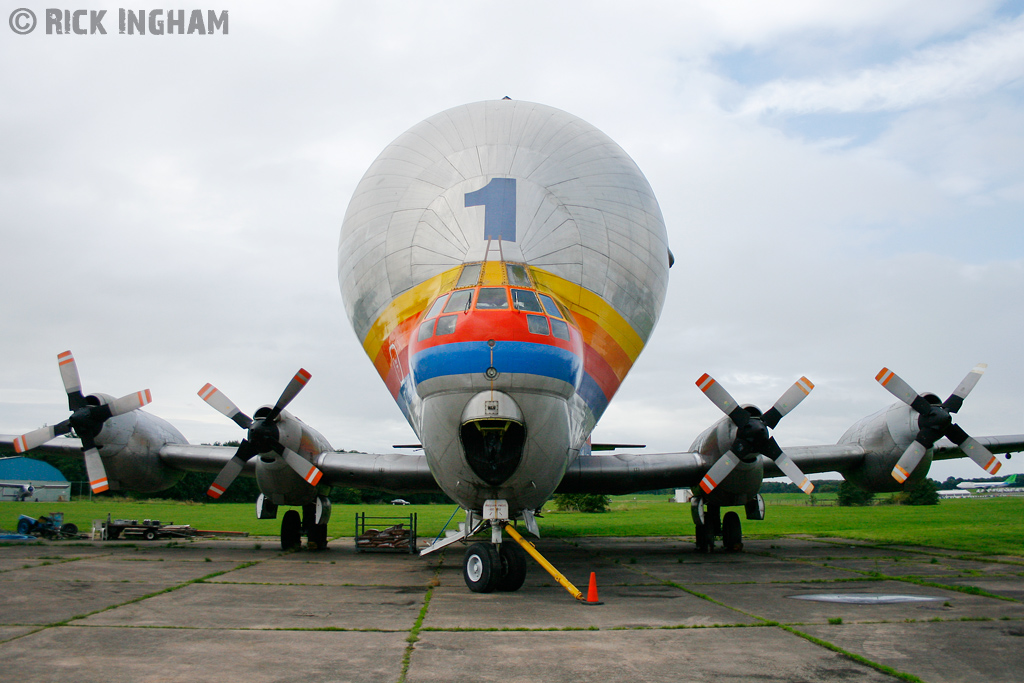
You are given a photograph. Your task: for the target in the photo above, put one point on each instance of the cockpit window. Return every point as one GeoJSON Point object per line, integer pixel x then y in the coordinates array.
{"type": "Point", "coordinates": [436, 308]}
{"type": "Point", "coordinates": [549, 306]}
{"type": "Point", "coordinates": [459, 301]}
{"type": "Point", "coordinates": [525, 300]}
{"type": "Point", "coordinates": [560, 329]}
{"type": "Point", "coordinates": [517, 276]}
{"type": "Point", "coordinates": [492, 298]}
{"type": "Point", "coordinates": [446, 324]}
{"type": "Point", "coordinates": [470, 275]}
{"type": "Point", "coordinates": [426, 331]}
{"type": "Point", "coordinates": [538, 324]}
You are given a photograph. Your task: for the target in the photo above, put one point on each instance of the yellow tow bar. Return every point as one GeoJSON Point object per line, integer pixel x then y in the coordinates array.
{"type": "Point", "coordinates": [557, 575]}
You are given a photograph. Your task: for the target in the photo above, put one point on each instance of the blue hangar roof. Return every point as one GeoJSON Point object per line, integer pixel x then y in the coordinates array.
{"type": "Point", "coordinates": [24, 469]}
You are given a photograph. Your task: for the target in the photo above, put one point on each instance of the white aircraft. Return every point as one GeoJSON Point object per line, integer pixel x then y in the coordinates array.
{"type": "Point", "coordinates": [23, 492]}
{"type": "Point", "coordinates": [503, 264]}
{"type": "Point", "coordinates": [1014, 481]}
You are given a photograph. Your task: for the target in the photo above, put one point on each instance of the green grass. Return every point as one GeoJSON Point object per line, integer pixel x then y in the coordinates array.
{"type": "Point", "coordinates": [992, 526]}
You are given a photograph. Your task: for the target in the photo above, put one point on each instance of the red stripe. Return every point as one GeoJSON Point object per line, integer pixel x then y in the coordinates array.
{"type": "Point", "coordinates": [600, 371]}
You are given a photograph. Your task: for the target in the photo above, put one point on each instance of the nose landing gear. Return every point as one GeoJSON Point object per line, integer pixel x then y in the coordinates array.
{"type": "Point", "coordinates": [487, 567]}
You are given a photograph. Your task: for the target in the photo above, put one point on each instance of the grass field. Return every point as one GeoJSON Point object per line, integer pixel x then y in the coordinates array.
{"type": "Point", "coordinates": [990, 525]}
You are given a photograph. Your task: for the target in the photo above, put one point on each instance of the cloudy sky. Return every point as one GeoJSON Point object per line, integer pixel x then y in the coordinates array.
{"type": "Point", "coordinates": [843, 185]}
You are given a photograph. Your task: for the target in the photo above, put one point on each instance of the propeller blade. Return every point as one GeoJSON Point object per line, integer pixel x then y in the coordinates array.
{"type": "Point", "coordinates": [290, 392]}
{"type": "Point", "coordinates": [956, 399]}
{"type": "Point", "coordinates": [790, 469]}
{"type": "Point", "coordinates": [72, 382]}
{"type": "Point", "coordinates": [719, 471]}
{"type": "Point", "coordinates": [789, 400]}
{"type": "Point", "coordinates": [231, 469]}
{"type": "Point", "coordinates": [38, 437]}
{"type": "Point", "coordinates": [908, 461]}
{"type": "Point", "coordinates": [721, 398]}
{"type": "Point", "coordinates": [901, 390]}
{"type": "Point", "coordinates": [97, 473]}
{"type": "Point", "coordinates": [223, 405]}
{"type": "Point", "coordinates": [131, 402]}
{"type": "Point", "coordinates": [981, 455]}
{"type": "Point", "coordinates": [896, 386]}
{"type": "Point", "coordinates": [303, 467]}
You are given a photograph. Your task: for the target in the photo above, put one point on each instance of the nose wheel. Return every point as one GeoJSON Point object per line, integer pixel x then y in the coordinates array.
{"type": "Point", "coordinates": [487, 568]}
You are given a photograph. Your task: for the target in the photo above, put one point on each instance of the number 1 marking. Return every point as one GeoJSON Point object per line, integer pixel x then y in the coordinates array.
{"type": "Point", "coordinates": [498, 198]}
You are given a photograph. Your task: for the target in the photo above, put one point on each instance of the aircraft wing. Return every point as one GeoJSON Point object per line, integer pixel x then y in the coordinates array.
{"type": "Point", "coordinates": [64, 446]}
{"type": "Point", "coordinates": [394, 473]}
{"type": "Point", "coordinates": [947, 450]}
{"type": "Point", "coordinates": [630, 472]}
{"type": "Point", "coordinates": [623, 473]}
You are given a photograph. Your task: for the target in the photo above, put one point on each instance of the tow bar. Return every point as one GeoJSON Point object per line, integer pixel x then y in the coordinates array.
{"type": "Point", "coordinates": [555, 574]}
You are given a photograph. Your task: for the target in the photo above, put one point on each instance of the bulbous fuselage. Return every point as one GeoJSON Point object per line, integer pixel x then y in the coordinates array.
{"type": "Point", "coordinates": [503, 264]}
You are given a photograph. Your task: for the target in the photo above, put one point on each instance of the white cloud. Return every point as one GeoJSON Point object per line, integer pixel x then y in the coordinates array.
{"type": "Point", "coordinates": [984, 61]}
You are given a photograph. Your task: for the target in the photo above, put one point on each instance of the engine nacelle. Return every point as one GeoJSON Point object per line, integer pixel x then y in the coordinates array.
{"type": "Point", "coordinates": [130, 444]}
{"type": "Point", "coordinates": [280, 483]}
{"type": "Point", "coordinates": [885, 436]}
{"type": "Point", "coordinates": [745, 479]}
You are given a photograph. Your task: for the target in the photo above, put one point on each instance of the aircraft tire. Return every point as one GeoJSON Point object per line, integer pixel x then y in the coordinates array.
{"type": "Point", "coordinates": [513, 567]}
{"type": "Point", "coordinates": [316, 537]}
{"type": "Point", "coordinates": [291, 530]}
{"type": "Point", "coordinates": [481, 568]}
{"type": "Point", "coordinates": [705, 539]}
{"type": "Point", "coordinates": [732, 532]}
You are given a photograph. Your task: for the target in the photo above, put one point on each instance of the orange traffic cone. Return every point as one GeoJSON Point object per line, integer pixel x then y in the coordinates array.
{"type": "Point", "coordinates": [592, 591]}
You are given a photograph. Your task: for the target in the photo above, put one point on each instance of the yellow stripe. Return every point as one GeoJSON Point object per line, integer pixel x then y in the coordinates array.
{"type": "Point", "coordinates": [409, 303]}
{"type": "Point", "coordinates": [582, 300]}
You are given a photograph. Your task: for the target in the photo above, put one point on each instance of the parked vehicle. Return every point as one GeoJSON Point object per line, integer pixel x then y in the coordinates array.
{"type": "Point", "coordinates": [51, 526]}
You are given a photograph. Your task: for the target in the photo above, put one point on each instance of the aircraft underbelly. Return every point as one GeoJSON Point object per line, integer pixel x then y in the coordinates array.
{"type": "Point", "coordinates": [553, 437]}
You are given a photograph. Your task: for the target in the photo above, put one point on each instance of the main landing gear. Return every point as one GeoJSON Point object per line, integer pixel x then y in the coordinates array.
{"type": "Point", "coordinates": [711, 524]}
{"type": "Point", "coordinates": [312, 523]}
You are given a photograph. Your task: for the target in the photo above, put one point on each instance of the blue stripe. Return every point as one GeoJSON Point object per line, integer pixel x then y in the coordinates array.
{"type": "Point", "coordinates": [591, 392]}
{"type": "Point", "coordinates": [459, 358]}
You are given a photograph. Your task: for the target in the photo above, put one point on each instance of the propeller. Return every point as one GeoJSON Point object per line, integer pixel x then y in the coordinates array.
{"type": "Point", "coordinates": [752, 436]}
{"type": "Point", "coordinates": [263, 435]}
{"type": "Point", "coordinates": [87, 418]}
{"type": "Point", "coordinates": [935, 421]}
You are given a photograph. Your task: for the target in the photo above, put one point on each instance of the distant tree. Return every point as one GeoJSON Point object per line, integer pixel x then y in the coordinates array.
{"type": "Point", "coordinates": [924, 493]}
{"type": "Point", "coordinates": [582, 502]}
{"type": "Point", "coordinates": [827, 485]}
{"type": "Point", "coordinates": [851, 495]}
{"type": "Point", "coordinates": [779, 487]}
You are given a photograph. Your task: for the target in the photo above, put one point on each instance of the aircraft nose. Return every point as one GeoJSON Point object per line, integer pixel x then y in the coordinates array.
{"type": "Point", "coordinates": [493, 435]}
